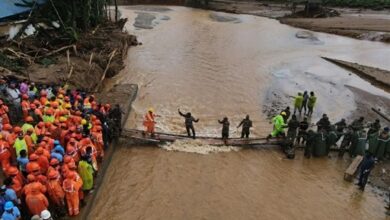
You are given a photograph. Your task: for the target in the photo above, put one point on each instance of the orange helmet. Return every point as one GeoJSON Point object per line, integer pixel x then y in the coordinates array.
{"type": "Point", "coordinates": [35, 168]}
{"type": "Point", "coordinates": [17, 129]}
{"type": "Point", "coordinates": [70, 150]}
{"type": "Point", "coordinates": [53, 174]}
{"type": "Point", "coordinates": [24, 96]}
{"type": "Point", "coordinates": [29, 119]}
{"type": "Point", "coordinates": [39, 151]}
{"type": "Point", "coordinates": [12, 170]}
{"type": "Point", "coordinates": [47, 124]}
{"type": "Point", "coordinates": [67, 159]}
{"type": "Point", "coordinates": [72, 165]}
{"type": "Point", "coordinates": [41, 124]}
{"type": "Point", "coordinates": [43, 142]}
{"type": "Point", "coordinates": [71, 176]}
{"type": "Point", "coordinates": [7, 127]}
{"type": "Point", "coordinates": [49, 111]}
{"type": "Point", "coordinates": [33, 157]}
{"type": "Point", "coordinates": [54, 104]}
{"type": "Point", "coordinates": [54, 162]}
{"type": "Point", "coordinates": [31, 178]}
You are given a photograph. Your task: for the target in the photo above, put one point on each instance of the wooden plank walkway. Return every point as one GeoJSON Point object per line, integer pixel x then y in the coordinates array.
{"type": "Point", "coordinates": [160, 138]}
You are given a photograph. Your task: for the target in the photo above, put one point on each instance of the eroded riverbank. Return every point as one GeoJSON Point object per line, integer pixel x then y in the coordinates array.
{"type": "Point", "coordinates": [364, 24]}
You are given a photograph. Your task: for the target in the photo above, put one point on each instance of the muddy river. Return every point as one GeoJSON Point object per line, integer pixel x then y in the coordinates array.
{"type": "Point", "coordinates": [214, 65]}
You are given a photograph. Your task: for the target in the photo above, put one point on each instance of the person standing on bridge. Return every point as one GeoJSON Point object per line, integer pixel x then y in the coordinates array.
{"type": "Point", "coordinates": [189, 120]}
{"type": "Point", "coordinates": [149, 122]}
{"type": "Point", "coordinates": [279, 126]}
{"type": "Point", "coordinates": [246, 124]}
{"type": "Point", "coordinates": [225, 128]}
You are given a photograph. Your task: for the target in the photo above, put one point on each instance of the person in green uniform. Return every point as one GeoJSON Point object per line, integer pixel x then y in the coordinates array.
{"type": "Point", "coordinates": [340, 126]}
{"type": "Point", "coordinates": [298, 102]}
{"type": "Point", "coordinates": [382, 147]}
{"type": "Point", "coordinates": [310, 142]}
{"type": "Point", "coordinates": [361, 143]}
{"type": "Point", "coordinates": [320, 144]}
{"type": "Point", "coordinates": [331, 139]}
{"type": "Point", "coordinates": [374, 127]}
{"type": "Point", "coordinates": [346, 142]}
{"type": "Point", "coordinates": [293, 125]}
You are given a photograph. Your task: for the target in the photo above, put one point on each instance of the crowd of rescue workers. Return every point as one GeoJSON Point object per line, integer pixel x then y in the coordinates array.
{"type": "Point", "coordinates": [51, 142]}
{"type": "Point", "coordinates": [373, 144]}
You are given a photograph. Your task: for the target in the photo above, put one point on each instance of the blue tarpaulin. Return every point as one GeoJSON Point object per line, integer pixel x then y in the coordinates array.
{"type": "Point", "coordinates": [9, 9]}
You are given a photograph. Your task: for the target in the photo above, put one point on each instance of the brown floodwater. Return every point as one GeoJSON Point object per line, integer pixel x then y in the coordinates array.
{"type": "Point", "coordinates": [151, 183]}
{"type": "Point", "coordinates": [217, 64]}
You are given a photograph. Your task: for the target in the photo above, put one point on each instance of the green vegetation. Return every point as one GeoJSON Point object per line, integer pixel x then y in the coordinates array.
{"type": "Point", "coordinates": [73, 16]}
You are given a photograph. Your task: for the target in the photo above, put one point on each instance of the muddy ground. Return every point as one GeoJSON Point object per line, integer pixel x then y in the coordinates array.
{"type": "Point", "coordinates": [97, 54]}
{"type": "Point", "coordinates": [362, 24]}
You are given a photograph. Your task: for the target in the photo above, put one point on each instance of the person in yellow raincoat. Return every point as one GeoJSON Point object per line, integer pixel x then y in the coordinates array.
{"type": "Point", "coordinates": [86, 171]}
{"type": "Point", "coordinates": [20, 144]}
{"type": "Point", "coordinates": [279, 125]}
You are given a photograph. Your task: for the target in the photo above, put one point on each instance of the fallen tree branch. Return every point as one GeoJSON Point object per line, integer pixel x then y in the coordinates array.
{"type": "Point", "coordinates": [19, 55]}
{"type": "Point", "coordinates": [105, 71]}
{"type": "Point", "coordinates": [59, 50]}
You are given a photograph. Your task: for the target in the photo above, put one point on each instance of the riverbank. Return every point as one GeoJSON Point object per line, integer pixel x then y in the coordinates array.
{"type": "Point", "coordinates": [364, 24]}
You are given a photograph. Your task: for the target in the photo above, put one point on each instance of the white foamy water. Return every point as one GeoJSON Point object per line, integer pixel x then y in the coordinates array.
{"type": "Point", "coordinates": [196, 146]}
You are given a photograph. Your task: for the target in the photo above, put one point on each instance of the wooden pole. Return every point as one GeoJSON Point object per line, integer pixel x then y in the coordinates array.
{"type": "Point", "coordinates": [116, 11]}
{"type": "Point", "coordinates": [381, 114]}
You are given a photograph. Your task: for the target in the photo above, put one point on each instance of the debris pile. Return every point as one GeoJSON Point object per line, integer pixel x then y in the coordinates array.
{"type": "Point", "coordinates": [43, 58]}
